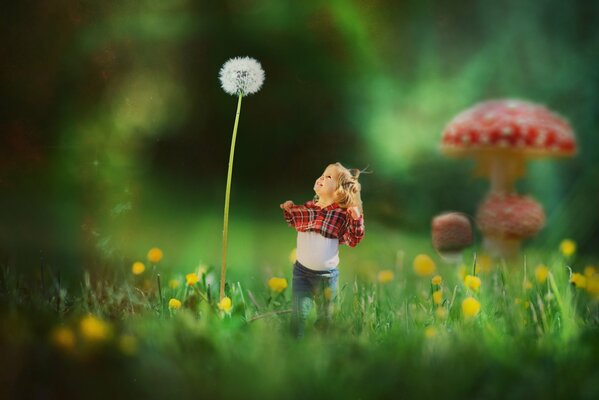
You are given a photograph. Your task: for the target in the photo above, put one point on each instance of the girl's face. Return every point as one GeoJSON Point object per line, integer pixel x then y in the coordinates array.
{"type": "Point", "coordinates": [326, 185]}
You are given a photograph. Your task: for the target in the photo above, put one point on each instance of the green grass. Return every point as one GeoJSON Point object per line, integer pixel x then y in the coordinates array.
{"type": "Point", "coordinates": [386, 341]}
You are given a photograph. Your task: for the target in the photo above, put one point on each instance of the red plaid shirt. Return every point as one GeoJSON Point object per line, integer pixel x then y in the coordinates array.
{"type": "Point", "coordinates": [331, 222]}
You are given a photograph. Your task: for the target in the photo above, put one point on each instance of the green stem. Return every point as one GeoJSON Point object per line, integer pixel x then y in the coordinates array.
{"type": "Point", "coordinates": [227, 196]}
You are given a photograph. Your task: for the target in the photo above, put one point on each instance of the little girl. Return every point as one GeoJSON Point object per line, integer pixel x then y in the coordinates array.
{"type": "Point", "coordinates": [334, 217]}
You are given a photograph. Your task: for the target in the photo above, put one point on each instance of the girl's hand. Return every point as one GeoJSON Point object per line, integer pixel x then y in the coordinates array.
{"type": "Point", "coordinates": [287, 205]}
{"type": "Point", "coordinates": [354, 212]}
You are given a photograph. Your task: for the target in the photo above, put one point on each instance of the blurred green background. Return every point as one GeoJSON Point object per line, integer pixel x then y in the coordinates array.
{"type": "Point", "coordinates": [115, 132]}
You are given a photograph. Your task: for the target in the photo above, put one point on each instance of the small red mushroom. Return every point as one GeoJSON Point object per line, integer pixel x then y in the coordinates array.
{"type": "Point", "coordinates": [502, 134]}
{"type": "Point", "coordinates": [507, 219]}
{"type": "Point", "coordinates": [451, 234]}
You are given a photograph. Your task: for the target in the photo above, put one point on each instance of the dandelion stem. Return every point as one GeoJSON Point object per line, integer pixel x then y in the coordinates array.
{"type": "Point", "coordinates": [227, 197]}
{"type": "Point", "coordinates": [160, 293]}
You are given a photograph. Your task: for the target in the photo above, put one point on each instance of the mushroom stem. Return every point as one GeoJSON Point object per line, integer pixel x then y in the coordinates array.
{"type": "Point", "coordinates": [452, 257]}
{"type": "Point", "coordinates": [502, 170]}
{"type": "Point", "coordinates": [501, 247]}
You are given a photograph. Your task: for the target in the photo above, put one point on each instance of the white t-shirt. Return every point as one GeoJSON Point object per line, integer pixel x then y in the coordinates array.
{"type": "Point", "coordinates": [316, 251]}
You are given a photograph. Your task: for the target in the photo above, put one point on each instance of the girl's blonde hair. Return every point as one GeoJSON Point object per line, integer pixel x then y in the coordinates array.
{"type": "Point", "coordinates": [348, 187]}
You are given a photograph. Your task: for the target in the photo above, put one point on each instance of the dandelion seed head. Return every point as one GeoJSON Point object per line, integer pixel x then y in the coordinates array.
{"type": "Point", "coordinates": [241, 75]}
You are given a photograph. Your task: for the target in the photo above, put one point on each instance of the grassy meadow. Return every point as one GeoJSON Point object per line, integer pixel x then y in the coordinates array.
{"type": "Point", "coordinates": [406, 324]}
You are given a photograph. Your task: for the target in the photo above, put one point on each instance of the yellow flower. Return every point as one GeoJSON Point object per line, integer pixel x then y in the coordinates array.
{"type": "Point", "coordinates": [174, 304]}
{"type": "Point", "coordinates": [526, 285]}
{"type": "Point", "coordinates": [192, 279]}
{"type": "Point", "coordinates": [430, 332]}
{"type": "Point", "coordinates": [63, 337]}
{"type": "Point", "coordinates": [225, 304]}
{"type": "Point", "coordinates": [277, 284]}
{"type": "Point", "coordinates": [579, 280]}
{"type": "Point", "coordinates": [174, 283]}
{"type": "Point", "coordinates": [470, 307]}
{"type": "Point", "coordinates": [128, 344]}
{"type": "Point", "coordinates": [293, 256]}
{"type": "Point", "coordinates": [567, 247]}
{"type": "Point", "coordinates": [154, 255]}
{"type": "Point", "coordinates": [541, 273]}
{"type": "Point", "coordinates": [441, 312]}
{"type": "Point", "coordinates": [138, 268]}
{"type": "Point", "coordinates": [472, 282]}
{"type": "Point", "coordinates": [437, 296]}
{"type": "Point", "coordinates": [589, 271]}
{"type": "Point", "coordinates": [385, 276]}
{"type": "Point", "coordinates": [94, 329]}
{"type": "Point", "coordinates": [436, 280]}
{"type": "Point", "coordinates": [424, 265]}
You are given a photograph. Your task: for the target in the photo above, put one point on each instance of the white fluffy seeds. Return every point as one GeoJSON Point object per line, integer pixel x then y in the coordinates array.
{"type": "Point", "coordinates": [241, 75]}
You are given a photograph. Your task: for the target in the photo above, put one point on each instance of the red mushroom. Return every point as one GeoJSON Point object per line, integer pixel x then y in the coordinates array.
{"type": "Point", "coordinates": [451, 234]}
{"type": "Point", "coordinates": [502, 134]}
{"type": "Point", "coordinates": [507, 219]}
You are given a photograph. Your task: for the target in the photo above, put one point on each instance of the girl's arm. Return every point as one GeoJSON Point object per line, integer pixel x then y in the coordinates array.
{"type": "Point", "coordinates": [354, 231]}
{"type": "Point", "coordinates": [295, 215]}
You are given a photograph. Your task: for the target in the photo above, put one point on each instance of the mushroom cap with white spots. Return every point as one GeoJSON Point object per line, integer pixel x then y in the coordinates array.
{"type": "Point", "coordinates": [511, 126]}
{"type": "Point", "coordinates": [510, 216]}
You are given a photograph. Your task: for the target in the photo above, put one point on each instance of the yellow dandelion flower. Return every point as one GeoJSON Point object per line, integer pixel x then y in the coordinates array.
{"type": "Point", "coordinates": [154, 255]}
{"type": "Point", "coordinates": [472, 282]}
{"type": "Point", "coordinates": [225, 304]}
{"type": "Point", "coordinates": [128, 344]}
{"type": "Point", "coordinates": [517, 300]}
{"type": "Point", "coordinates": [293, 256]}
{"type": "Point", "coordinates": [526, 285]}
{"type": "Point", "coordinates": [470, 307]}
{"type": "Point", "coordinates": [328, 293]}
{"type": "Point", "coordinates": [436, 280]}
{"type": "Point", "coordinates": [541, 273]}
{"type": "Point", "coordinates": [174, 283]}
{"type": "Point", "coordinates": [484, 263]}
{"type": "Point", "coordinates": [94, 329]}
{"type": "Point", "coordinates": [589, 271]}
{"type": "Point", "coordinates": [579, 280]}
{"type": "Point", "coordinates": [138, 268]}
{"type": "Point", "coordinates": [277, 284]}
{"type": "Point", "coordinates": [567, 247]}
{"type": "Point", "coordinates": [437, 296]}
{"type": "Point", "coordinates": [63, 337]}
{"type": "Point", "coordinates": [441, 312]}
{"type": "Point", "coordinates": [430, 332]}
{"type": "Point", "coordinates": [385, 276]}
{"type": "Point", "coordinates": [192, 279]}
{"type": "Point", "coordinates": [424, 265]}
{"type": "Point", "coordinates": [174, 304]}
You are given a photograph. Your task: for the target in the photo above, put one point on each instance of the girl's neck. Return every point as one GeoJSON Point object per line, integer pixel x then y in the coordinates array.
{"type": "Point", "coordinates": [322, 203]}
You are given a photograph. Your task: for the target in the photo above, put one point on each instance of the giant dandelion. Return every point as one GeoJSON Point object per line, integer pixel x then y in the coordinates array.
{"type": "Point", "coordinates": [240, 76]}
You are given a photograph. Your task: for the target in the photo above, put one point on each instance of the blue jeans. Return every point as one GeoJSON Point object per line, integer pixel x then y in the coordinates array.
{"type": "Point", "coordinates": [308, 286]}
